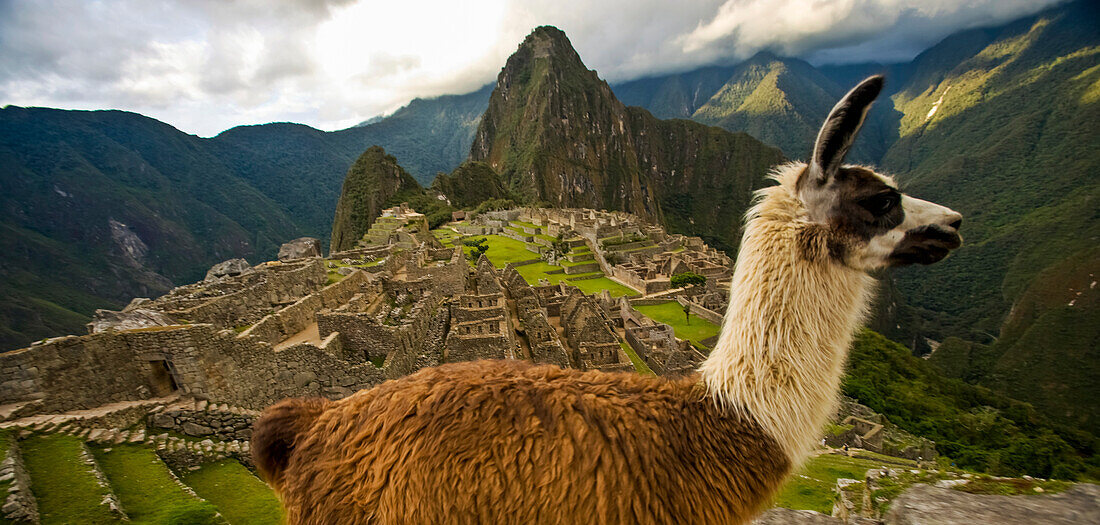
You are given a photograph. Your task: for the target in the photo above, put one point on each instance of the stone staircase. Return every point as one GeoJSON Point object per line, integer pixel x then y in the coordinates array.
{"type": "Point", "coordinates": [119, 433]}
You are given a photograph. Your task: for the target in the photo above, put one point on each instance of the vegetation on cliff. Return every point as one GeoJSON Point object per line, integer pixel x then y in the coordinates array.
{"type": "Point", "coordinates": [976, 427]}
{"type": "Point", "coordinates": [1001, 125]}
{"type": "Point", "coordinates": [556, 133]}
{"type": "Point", "coordinates": [370, 185]}
{"type": "Point", "coordinates": [470, 184]}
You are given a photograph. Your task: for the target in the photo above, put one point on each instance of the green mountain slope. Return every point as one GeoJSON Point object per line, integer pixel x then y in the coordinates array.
{"type": "Point", "coordinates": [99, 207]}
{"type": "Point", "coordinates": [428, 135]}
{"type": "Point", "coordinates": [674, 96]}
{"type": "Point", "coordinates": [556, 133]}
{"type": "Point", "coordinates": [974, 426]}
{"type": "Point", "coordinates": [780, 101]}
{"type": "Point", "coordinates": [470, 184]}
{"type": "Point", "coordinates": [1001, 125]}
{"type": "Point", "coordinates": [189, 202]}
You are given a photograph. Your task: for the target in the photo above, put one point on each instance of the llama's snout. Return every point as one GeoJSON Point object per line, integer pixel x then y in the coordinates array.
{"type": "Point", "coordinates": [926, 244]}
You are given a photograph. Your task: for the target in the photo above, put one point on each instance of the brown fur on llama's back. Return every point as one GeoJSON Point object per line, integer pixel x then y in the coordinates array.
{"type": "Point", "coordinates": [507, 442]}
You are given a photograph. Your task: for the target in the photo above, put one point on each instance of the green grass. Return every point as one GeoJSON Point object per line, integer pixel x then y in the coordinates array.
{"type": "Point", "coordinates": [875, 456]}
{"type": "Point", "coordinates": [1013, 487]}
{"type": "Point", "coordinates": [811, 488]}
{"type": "Point", "coordinates": [5, 444]}
{"type": "Point", "coordinates": [240, 496]}
{"type": "Point", "coordinates": [503, 250]}
{"type": "Point", "coordinates": [671, 313]}
{"type": "Point", "coordinates": [146, 489]}
{"type": "Point", "coordinates": [527, 224]}
{"type": "Point", "coordinates": [591, 286]}
{"type": "Point", "coordinates": [639, 363]}
{"type": "Point", "coordinates": [578, 263]}
{"type": "Point", "coordinates": [540, 270]}
{"type": "Point", "coordinates": [446, 236]}
{"type": "Point", "coordinates": [66, 489]}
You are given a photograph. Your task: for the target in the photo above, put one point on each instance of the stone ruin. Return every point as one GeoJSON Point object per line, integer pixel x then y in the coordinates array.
{"type": "Point", "coordinates": [248, 336]}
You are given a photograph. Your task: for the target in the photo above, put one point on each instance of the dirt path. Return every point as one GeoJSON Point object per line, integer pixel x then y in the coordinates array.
{"type": "Point", "coordinates": [309, 335]}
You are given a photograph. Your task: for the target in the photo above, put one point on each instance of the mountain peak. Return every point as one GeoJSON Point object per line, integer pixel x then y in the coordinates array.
{"type": "Point", "coordinates": [544, 42]}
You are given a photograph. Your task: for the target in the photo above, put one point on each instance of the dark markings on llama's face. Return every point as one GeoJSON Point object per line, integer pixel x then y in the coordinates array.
{"type": "Point", "coordinates": [871, 225]}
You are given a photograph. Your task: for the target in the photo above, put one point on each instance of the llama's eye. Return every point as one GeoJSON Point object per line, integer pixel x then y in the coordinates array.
{"type": "Point", "coordinates": [880, 204]}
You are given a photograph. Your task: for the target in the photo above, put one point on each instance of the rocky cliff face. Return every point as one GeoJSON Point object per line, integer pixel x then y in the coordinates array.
{"type": "Point", "coordinates": [372, 181]}
{"type": "Point", "coordinates": [557, 134]}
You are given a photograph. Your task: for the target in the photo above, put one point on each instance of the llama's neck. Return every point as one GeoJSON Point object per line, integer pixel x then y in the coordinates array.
{"type": "Point", "coordinates": [791, 318]}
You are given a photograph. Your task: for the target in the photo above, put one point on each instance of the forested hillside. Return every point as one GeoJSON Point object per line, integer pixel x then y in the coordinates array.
{"type": "Point", "coordinates": [99, 207]}
{"type": "Point", "coordinates": [1002, 125]}
{"type": "Point", "coordinates": [999, 123]}
{"type": "Point", "coordinates": [103, 206]}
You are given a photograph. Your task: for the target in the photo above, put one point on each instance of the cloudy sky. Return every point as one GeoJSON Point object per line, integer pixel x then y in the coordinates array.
{"type": "Point", "coordinates": [207, 65]}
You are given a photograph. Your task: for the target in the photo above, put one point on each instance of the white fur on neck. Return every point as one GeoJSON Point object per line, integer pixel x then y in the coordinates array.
{"type": "Point", "coordinates": [785, 338]}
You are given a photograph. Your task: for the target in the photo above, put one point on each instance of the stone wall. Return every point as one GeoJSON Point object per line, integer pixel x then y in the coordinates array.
{"type": "Point", "coordinates": [274, 286]}
{"type": "Point", "coordinates": [448, 276]}
{"type": "Point", "coordinates": [87, 371]}
{"type": "Point", "coordinates": [220, 422]}
{"type": "Point", "coordinates": [80, 372]}
{"type": "Point", "coordinates": [701, 312]}
{"type": "Point", "coordinates": [478, 345]}
{"type": "Point", "coordinates": [296, 317]}
{"type": "Point", "coordinates": [19, 505]}
{"type": "Point", "coordinates": [366, 336]}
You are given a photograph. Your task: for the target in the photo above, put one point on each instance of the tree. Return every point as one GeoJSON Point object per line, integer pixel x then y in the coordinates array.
{"type": "Point", "coordinates": [685, 279]}
{"type": "Point", "coordinates": [477, 247]}
{"type": "Point", "coordinates": [687, 312]}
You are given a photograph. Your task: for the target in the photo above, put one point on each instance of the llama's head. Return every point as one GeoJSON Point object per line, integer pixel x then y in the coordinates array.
{"type": "Point", "coordinates": [871, 224]}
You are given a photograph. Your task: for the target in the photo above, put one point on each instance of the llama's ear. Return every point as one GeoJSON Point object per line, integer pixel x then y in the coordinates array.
{"type": "Point", "coordinates": [279, 430]}
{"type": "Point", "coordinates": [840, 129]}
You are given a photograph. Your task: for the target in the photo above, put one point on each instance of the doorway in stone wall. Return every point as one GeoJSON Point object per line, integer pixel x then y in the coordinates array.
{"type": "Point", "coordinates": [162, 380]}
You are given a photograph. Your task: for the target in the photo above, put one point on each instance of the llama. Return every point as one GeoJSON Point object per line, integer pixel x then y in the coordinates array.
{"type": "Point", "coordinates": [507, 442]}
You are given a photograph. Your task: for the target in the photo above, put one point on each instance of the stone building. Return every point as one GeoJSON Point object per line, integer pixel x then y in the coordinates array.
{"type": "Point", "coordinates": [544, 345]}
{"type": "Point", "coordinates": [589, 334]}
{"type": "Point", "coordinates": [656, 343]}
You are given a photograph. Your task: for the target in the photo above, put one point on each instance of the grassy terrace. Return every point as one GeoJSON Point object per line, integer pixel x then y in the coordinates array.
{"type": "Point", "coordinates": [812, 487]}
{"type": "Point", "coordinates": [671, 313]}
{"type": "Point", "coordinates": [335, 276]}
{"type": "Point", "coordinates": [446, 236]}
{"type": "Point", "coordinates": [63, 484]}
{"type": "Point", "coordinates": [639, 363]}
{"type": "Point", "coordinates": [504, 250]}
{"type": "Point", "coordinates": [527, 224]}
{"type": "Point", "coordinates": [146, 489]}
{"type": "Point", "coordinates": [240, 496]}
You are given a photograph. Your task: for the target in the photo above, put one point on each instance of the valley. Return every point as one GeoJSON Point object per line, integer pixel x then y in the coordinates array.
{"type": "Point", "coordinates": [556, 218]}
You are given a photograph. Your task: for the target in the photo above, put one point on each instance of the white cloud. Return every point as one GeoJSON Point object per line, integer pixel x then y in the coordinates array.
{"type": "Point", "coordinates": [207, 65]}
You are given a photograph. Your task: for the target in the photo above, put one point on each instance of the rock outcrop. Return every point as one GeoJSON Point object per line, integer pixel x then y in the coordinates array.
{"type": "Point", "coordinates": [924, 504]}
{"type": "Point", "coordinates": [300, 248]}
{"type": "Point", "coordinates": [232, 268]}
{"type": "Point", "coordinates": [105, 320]}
